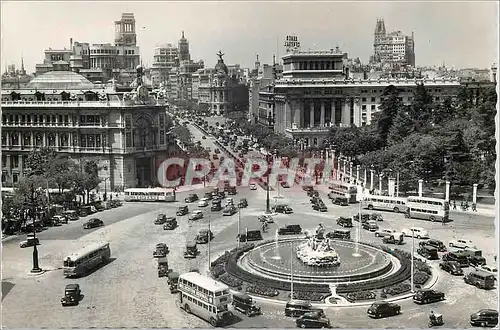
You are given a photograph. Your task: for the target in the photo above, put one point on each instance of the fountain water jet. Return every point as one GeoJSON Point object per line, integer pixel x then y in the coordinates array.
{"type": "Point", "coordinates": [277, 255]}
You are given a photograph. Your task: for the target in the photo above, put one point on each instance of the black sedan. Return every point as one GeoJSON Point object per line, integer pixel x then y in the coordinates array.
{"type": "Point", "coordinates": [426, 296]}
{"type": "Point", "coordinates": [452, 267]}
{"type": "Point", "coordinates": [312, 320]}
{"type": "Point", "coordinates": [93, 223]}
{"type": "Point", "coordinates": [383, 309]}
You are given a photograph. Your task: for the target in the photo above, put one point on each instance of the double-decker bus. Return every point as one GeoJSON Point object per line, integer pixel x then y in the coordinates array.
{"type": "Point", "coordinates": [427, 208]}
{"type": "Point", "coordinates": [86, 259]}
{"type": "Point", "coordinates": [149, 195]}
{"type": "Point", "coordinates": [386, 203]}
{"type": "Point", "coordinates": [205, 297]}
{"type": "Point", "coordinates": [343, 189]}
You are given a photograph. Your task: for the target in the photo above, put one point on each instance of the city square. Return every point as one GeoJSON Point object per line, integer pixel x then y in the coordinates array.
{"type": "Point", "coordinates": [286, 165]}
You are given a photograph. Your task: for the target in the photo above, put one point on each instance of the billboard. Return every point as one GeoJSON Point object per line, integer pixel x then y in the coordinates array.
{"type": "Point", "coordinates": [292, 43]}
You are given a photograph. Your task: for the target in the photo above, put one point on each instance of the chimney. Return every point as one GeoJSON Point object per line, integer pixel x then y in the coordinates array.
{"type": "Point", "coordinates": [70, 43]}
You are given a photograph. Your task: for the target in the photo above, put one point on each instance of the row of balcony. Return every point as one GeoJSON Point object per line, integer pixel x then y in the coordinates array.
{"type": "Point", "coordinates": [77, 104]}
{"type": "Point", "coordinates": [354, 82]}
{"type": "Point", "coordinates": [67, 148]}
{"type": "Point", "coordinates": [63, 125]}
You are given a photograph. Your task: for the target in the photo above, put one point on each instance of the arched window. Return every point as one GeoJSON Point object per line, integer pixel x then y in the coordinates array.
{"type": "Point", "coordinates": [51, 140]}
{"type": "Point", "coordinates": [64, 139]}
{"type": "Point", "coordinates": [27, 139]}
{"type": "Point", "coordinates": [39, 139]}
{"type": "Point", "coordinates": [14, 138]}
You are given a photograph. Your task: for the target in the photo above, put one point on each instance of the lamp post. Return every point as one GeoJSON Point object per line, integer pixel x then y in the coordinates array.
{"type": "Point", "coordinates": [105, 198]}
{"type": "Point", "coordinates": [412, 261]}
{"type": "Point", "coordinates": [36, 267]}
{"type": "Point", "coordinates": [380, 183]}
{"type": "Point", "coordinates": [371, 178]}
{"type": "Point", "coordinates": [208, 247]}
{"type": "Point", "coordinates": [350, 172]}
{"type": "Point", "coordinates": [267, 188]}
{"type": "Point", "coordinates": [291, 270]}
{"type": "Point", "coordinates": [397, 184]}
{"type": "Point", "coordinates": [357, 174]}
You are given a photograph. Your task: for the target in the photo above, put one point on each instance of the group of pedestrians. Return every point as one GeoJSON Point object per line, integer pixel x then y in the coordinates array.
{"type": "Point", "coordinates": [464, 206]}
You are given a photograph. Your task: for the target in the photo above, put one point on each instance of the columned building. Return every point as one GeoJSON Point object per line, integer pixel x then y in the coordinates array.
{"type": "Point", "coordinates": [125, 133]}
{"type": "Point", "coordinates": [314, 94]}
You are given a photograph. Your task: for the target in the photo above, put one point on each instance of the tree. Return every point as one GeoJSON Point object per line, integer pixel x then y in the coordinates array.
{"type": "Point", "coordinates": [61, 170]}
{"type": "Point", "coordinates": [38, 160]}
{"type": "Point", "coordinates": [421, 109]}
{"type": "Point", "coordinates": [389, 108]}
{"type": "Point", "coordinates": [402, 127]}
{"type": "Point", "coordinates": [87, 180]}
{"type": "Point", "coordinates": [31, 190]}
{"type": "Point", "coordinates": [183, 134]}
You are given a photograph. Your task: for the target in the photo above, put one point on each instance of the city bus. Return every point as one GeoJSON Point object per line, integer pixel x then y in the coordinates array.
{"type": "Point", "coordinates": [427, 208]}
{"type": "Point", "coordinates": [386, 203]}
{"type": "Point", "coordinates": [343, 189]}
{"type": "Point", "coordinates": [149, 195]}
{"type": "Point", "coordinates": [205, 297]}
{"type": "Point", "coordinates": [87, 258]}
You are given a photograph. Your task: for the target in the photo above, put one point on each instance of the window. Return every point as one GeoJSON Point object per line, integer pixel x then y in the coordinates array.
{"type": "Point", "coordinates": [363, 107]}
{"type": "Point", "coordinates": [15, 178]}
{"type": "Point", "coordinates": [373, 107]}
{"type": "Point", "coordinates": [373, 99]}
{"type": "Point", "coordinates": [363, 99]}
{"type": "Point", "coordinates": [128, 122]}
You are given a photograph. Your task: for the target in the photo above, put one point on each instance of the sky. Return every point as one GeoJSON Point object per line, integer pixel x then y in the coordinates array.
{"type": "Point", "coordinates": [460, 34]}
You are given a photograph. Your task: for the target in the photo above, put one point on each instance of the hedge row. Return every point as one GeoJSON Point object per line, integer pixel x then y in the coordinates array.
{"type": "Point", "coordinates": [361, 295]}
{"type": "Point", "coordinates": [262, 290]}
{"type": "Point", "coordinates": [397, 289]}
{"type": "Point", "coordinates": [230, 281]}
{"type": "Point", "coordinates": [311, 296]}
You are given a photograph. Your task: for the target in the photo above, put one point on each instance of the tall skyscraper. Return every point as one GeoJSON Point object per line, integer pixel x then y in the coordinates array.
{"type": "Point", "coordinates": [184, 49]}
{"type": "Point", "coordinates": [393, 47]}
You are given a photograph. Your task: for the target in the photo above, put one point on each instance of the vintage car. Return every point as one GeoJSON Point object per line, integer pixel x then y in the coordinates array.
{"type": "Point", "coordinates": [320, 206]}
{"type": "Point", "coordinates": [93, 223]}
{"type": "Point", "coordinates": [364, 217]}
{"type": "Point", "coordinates": [162, 267]}
{"type": "Point", "coordinates": [459, 257]}
{"type": "Point", "coordinates": [452, 267]}
{"type": "Point", "coordinates": [370, 225]}
{"type": "Point", "coordinates": [461, 243]}
{"type": "Point", "coordinates": [203, 202]}
{"type": "Point", "coordinates": [204, 236]}
{"type": "Point", "coordinates": [160, 219]}
{"type": "Point", "coordinates": [484, 317]}
{"type": "Point", "coordinates": [250, 235]}
{"type": "Point", "coordinates": [231, 191]}
{"type": "Point", "coordinates": [475, 256]}
{"type": "Point", "coordinates": [229, 210]}
{"type": "Point", "coordinates": [191, 198]}
{"type": "Point", "coordinates": [197, 214]}
{"type": "Point", "coordinates": [253, 186]}
{"type": "Point", "coordinates": [385, 232]}
{"type": "Point", "coordinates": [312, 193]}
{"type": "Point", "coordinates": [170, 223]}
{"type": "Point", "coordinates": [245, 304]}
{"type": "Point", "coordinates": [313, 320]}
{"type": "Point", "coordinates": [344, 222]}
{"type": "Point", "coordinates": [161, 250]}
{"type": "Point", "coordinates": [339, 234]}
{"type": "Point", "coordinates": [191, 251]}
{"type": "Point", "coordinates": [58, 220]}
{"type": "Point", "coordinates": [173, 282]}
{"type": "Point", "coordinates": [393, 239]}
{"type": "Point", "coordinates": [383, 309]}
{"type": "Point", "coordinates": [243, 203]}
{"type": "Point", "coordinates": [342, 201]}
{"type": "Point", "coordinates": [72, 215]}
{"type": "Point", "coordinates": [72, 295]}
{"type": "Point", "coordinates": [376, 217]}
{"type": "Point", "coordinates": [426, 296]}
{"type": "Point", "coordinates": [435, 243]}
{"type": "Point", "coordinates": [282, 208]}
{"type": "Point", "coordinates": [428, 252]}
{"type": "Point", "coordinates": [290, 230]}
{"type": "Point", "coordinates": [30, 241]}
{"type": "Point", "coordinates": [266, 218]}
{"type": "Point", "coordinates": [216, 205]}
{"type": "Point", "coordinates": [182, 210]}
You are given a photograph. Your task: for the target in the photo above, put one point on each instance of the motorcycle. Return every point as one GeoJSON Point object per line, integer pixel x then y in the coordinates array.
{"type": "Point", "coordinates": [436, 321]}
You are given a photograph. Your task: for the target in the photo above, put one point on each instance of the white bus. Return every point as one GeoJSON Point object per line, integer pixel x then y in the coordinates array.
{"type": "Point", "coordinates": [377, 202]}
{"type": "Point", "coordinates": [427, 208]}
{"type": "Point", "coordinates": [205, 297]}
{"type": "Point", "coordinates": [343, 189]}
{"type": "Point", "coordinates": [88, 258]}
{"type": "Point", "coordinates": [149, 195]}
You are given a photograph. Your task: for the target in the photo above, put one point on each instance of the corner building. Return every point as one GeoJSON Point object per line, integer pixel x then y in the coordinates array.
{"type": "Point", "coordinates": [125, 133]}
{"type": "Point", "coordinates": [315, 94]}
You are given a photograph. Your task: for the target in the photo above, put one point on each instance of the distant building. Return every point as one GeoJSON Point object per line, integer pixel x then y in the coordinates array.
{"type": "Point", "coordinates": [494, 71]}
{"type": "Point", "coordinates": [99, 62]}
{"type": "Point", "coordinates": [227, 94]}
{"type": "Point", "coordinates": [14, 78]}
{"type": "Point", "coordinates": [392, 48]}
{"type": "Point", "coordinates": [315, 94]}
{"type": "Point", "coordinates": [164, 59]}
{"type": "Point", "coordinates": [126, 133]}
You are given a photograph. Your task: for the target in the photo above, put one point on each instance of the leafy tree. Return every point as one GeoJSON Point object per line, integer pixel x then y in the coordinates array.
{"type": "Point", "coordinates": [444, 112]}
{"type": "Point", "coordinates": [421, 109]}
{"type": "Point", "coordinates": [183, 134]}
{"type": "Point", "coordinates": [38, 160]}
{"type": "Point", "coordinates": [87, 180]}
{"type": "Point", "coordinates": [61, 171]}
{"type": "Point", "coordinates": [402, 127]}
{"type": "Point", "coordinates": [389, 108]}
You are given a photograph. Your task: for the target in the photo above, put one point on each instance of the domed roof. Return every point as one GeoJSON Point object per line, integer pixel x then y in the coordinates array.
{"type": "Point", "coordinates": [60, 80]}
{"type": "Point", "coordinates": [221, 67]}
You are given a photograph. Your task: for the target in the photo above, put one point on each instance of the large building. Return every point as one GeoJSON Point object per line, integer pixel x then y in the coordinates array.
{"type": "Point", "coordinates": [227, 93]}
{"type": "Point", "coordinates": [394, 48]}
{"type": "Point", "coordinates": [315, 94]}
{"type": "Point", "coordinates": [99, 62]}
{"type": "Point", "coordinates": [14, 78]}
{"type": "Point", "coordinates": [126, 133]}
{"type": "Point", "coordinates": [164, 59]}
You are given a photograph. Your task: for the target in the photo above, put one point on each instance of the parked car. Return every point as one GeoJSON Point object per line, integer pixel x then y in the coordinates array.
{"type": "Point", "coordinates": [475, 256]}
{"type": "Point", "coordinates": [459, 257]}
{"type": "Point", "coordinates": [203, 202]}
{"type": "Point", "coordinates": [480, 279]}
{"type": "Point", "coordinates": [229, 210]}
{"type": "Point", "coordinates": [320, 206]}
{"type": "Point", "coordinates": [182, 210]}
{"type": "Point", "coordinates": [72, 295]}
{"type": "Point", "coordinates": [250, 235]}
{"type": "Point", "coordinates": [344, 222]}
{"type": "Point", "coordinates": [385, 232]}
{"type": "Point", "coordinates": [282, 208]}
{"type": "Point", "coordinates": [484, 317]}
{"type": "Point", "coordinates": [342, 201]}
{"type": "Point", "coordinates": [488, 269]}
{"type": "Point", "coordinates": [417, 232]}
{"type": "Point", "coordinates": [243, 203]}
{"type": "Point", "coordinates": [370, 225]}
{"type": "Point", "coordinates": [253, 186]}
{"type": "Point", "coordinates": [426, 296]}
{"type": "Point", "coordinates": [339, 234]}
{"type": "Point", "coordinates": [72, 215]}
{"type": "Point", "coordinates": [290, 230]}
{"type": "Point", "coordinates": [313, 320]}
{"type": "Point", "coordinates": [284, 184]}
{"type": "Point", "coordinates": [296, 308]}
{"type": "Point", "coordinates": [160, 219]}
{"type": "Point", "coordinates": [197, 214]}
{"type": "Point", "coordinates": [59, 219]}
{"type": "Point", "coordinates": [428, 252]}
{"type": "Point", "coordinates": [397, 239]}
{"type": "Point", "coordinates": [231, 191]}
{"type": "Point", "coordinates": [461, 243]}
{"type": "Point", "coordinates": [245, 304]}
{"type": "Point", "coordinates": [208, 195]}
{"type": "Point", "coordinates": [216, 206]}
{"type": "Point", "coordinates": [93, 223]}
{"type": "Point", "coordinates": [364, 217]}
{"type": "Point", "coordinates": [452, 267]}
{"type": "Point", "coordinates": [30, 241]}
{"type": "Point", "coordinates": [170, 223]}
{"type": "Point", "coordinates": [191, 198]}
{"type": "Point", "coordinates": [204, 236]}
{"type": "Point", "coordinates": [383, 309]}
{"type": "Point", "coordinates": [435, 243]}
{"type": "Point", "coordinates": [191, 250]}
{"type": "Point", "coordinates": [161, 250]}
{"type": "Point", "coordinates": [376, 217]}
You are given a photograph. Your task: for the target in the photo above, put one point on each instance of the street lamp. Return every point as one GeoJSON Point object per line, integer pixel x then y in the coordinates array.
{"type": "Point", "coordinates": [239, 224]}
{"type": "Point", "coordinates": [208, 247]}
{"type": "Point", "coordinates": [412, 261]}
{"type": "Point", "coordinates": [36, 268]}
{"type": "Point", "coordinates": [267, 190]}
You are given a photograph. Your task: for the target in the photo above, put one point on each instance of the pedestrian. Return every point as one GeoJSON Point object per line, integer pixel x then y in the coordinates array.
{"type": "Point", "coordinates": [454, 205]}
{"type": "Point", "coordinates": [462, 205]}
{"type": "Point", "coordinates": [474, 207]}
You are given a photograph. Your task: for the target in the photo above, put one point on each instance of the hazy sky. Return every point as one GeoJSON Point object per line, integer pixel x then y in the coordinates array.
{"type": "Point", "coordinates": [461, 34]}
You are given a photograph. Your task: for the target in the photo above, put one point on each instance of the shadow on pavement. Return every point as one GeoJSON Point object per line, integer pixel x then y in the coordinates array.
{"type": "Point", "coordinates": [6, 287]}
